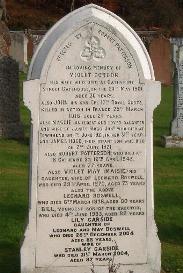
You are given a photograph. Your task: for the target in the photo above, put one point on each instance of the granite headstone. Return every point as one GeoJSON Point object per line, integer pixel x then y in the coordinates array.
{"type": "Point", "coordinates": [10, 125]}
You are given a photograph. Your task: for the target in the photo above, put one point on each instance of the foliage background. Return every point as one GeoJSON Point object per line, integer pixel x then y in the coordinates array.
{"type": "Point", "coordinates": [145, 14]}
{"type": "Point", "coordinates": [168, 170]}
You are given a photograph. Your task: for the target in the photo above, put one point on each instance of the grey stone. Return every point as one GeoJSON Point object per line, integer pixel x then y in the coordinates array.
{"type": "Point", "coordinates": [10, 125]}
{"type": "Point", "coordinates": [91, 92]}
{"type": "Point", "coordinates": [176, 41]}
{"type": "Point", "coordinates": [176, 137]}
{"type": "Point", "coordinates": [18, 49]}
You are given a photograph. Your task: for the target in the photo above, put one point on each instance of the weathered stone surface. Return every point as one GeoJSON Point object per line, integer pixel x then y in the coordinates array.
{"type": "Point", "coordinates": [34, 38]}
{"type": "Point", "coordinates": [176, 138]}
{"type": "Point", "coordinates": [160, 53]}
{"type": "Point", "coordinates": [177, 124]}
{"type": "Point", "coordinates": [10, 126]}
{"type": "Point", "coordinates": [91, 92]}
{"type": "Point", "coordinates": [158, 47]}
{"type": "Point", "coordinates": [18, 49]}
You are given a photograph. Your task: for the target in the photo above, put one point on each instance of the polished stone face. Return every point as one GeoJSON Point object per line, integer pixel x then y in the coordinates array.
{"type": "Point", "coordinates": [91, 188]}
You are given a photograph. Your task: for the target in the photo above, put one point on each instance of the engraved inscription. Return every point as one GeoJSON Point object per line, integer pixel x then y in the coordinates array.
{"type": "Point", "coordinates": [92, 154]}
{"type": "Point", "coordinates": [180, 96]}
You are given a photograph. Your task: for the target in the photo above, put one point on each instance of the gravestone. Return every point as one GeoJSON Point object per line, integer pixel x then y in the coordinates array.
{"type": "Point", "coordinates": [160, 53]}
{"type": "Point", "coordinates": [176, 137]}
{"type": "Point", "coordinates": [91, 92]}
{"type": "Point", "coordinates": [10, 125]}
{"type": "Point", "coordinates": [34, 37]}
{"type": "Point", "coordinates": [18, 49]}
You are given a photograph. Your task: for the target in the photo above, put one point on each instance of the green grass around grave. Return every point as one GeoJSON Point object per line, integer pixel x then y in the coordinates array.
{"type": "Point", "coordinates": [13, 194]}
{"type": "Point", "coordinates": [168, 180]}
{"type": "Point", "coordinates": [168, 186]}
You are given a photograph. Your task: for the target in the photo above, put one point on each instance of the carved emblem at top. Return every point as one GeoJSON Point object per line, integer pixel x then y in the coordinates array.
{"type": "Point", "coordinates": [92, 49]}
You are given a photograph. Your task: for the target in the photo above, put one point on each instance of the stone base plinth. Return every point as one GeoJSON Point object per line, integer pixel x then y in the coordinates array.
{"type": "Point", "coordinates": [172, 141]}
{"type": "Point", "coordinates": [12, 130]}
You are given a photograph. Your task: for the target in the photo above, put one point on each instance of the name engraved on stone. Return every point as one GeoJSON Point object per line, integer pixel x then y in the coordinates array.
{"type": "Point", "coordinates": [98, 149]}
{"type": "Point", "coordinates": [93, 172]}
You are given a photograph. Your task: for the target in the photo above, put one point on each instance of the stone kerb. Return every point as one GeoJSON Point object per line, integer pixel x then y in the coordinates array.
{"type": "Point", "coordinates": [90, 78]}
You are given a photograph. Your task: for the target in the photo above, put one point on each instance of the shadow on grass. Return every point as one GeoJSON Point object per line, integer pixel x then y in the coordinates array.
{"type": "Point", "coordinates": [170, 233]}
{"type": "Point", "coordinates": [10, 259]}
{"type": "Point", "coordinates": [169, 213]}
{"type": "Point", "coordinates": [24, 141]}
{"type": "Point", "coordinates": [168, 197]}
{"type": "Point", "coordinates": [13, 219]}
{"type": "Point", "coordinates": [14, 211]}
{"type": "Point", "coordinates": [160, 131]}
{"type": "Point", "coordinates": [158, 143]}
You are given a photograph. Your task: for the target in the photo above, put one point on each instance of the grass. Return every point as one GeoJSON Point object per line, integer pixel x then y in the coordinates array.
{"type": "Point", "coordinates": [168, 184]}
{"type": "Point", "coordinates": [13, 194]}
{"type": "Point", "coordinates": [168, 176]}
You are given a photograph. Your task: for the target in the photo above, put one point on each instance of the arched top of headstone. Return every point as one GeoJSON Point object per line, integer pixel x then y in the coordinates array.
{"type": "Point", "coordinates": [91, 92]}
{"type": "Point", "coordinates": [75, 20]}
